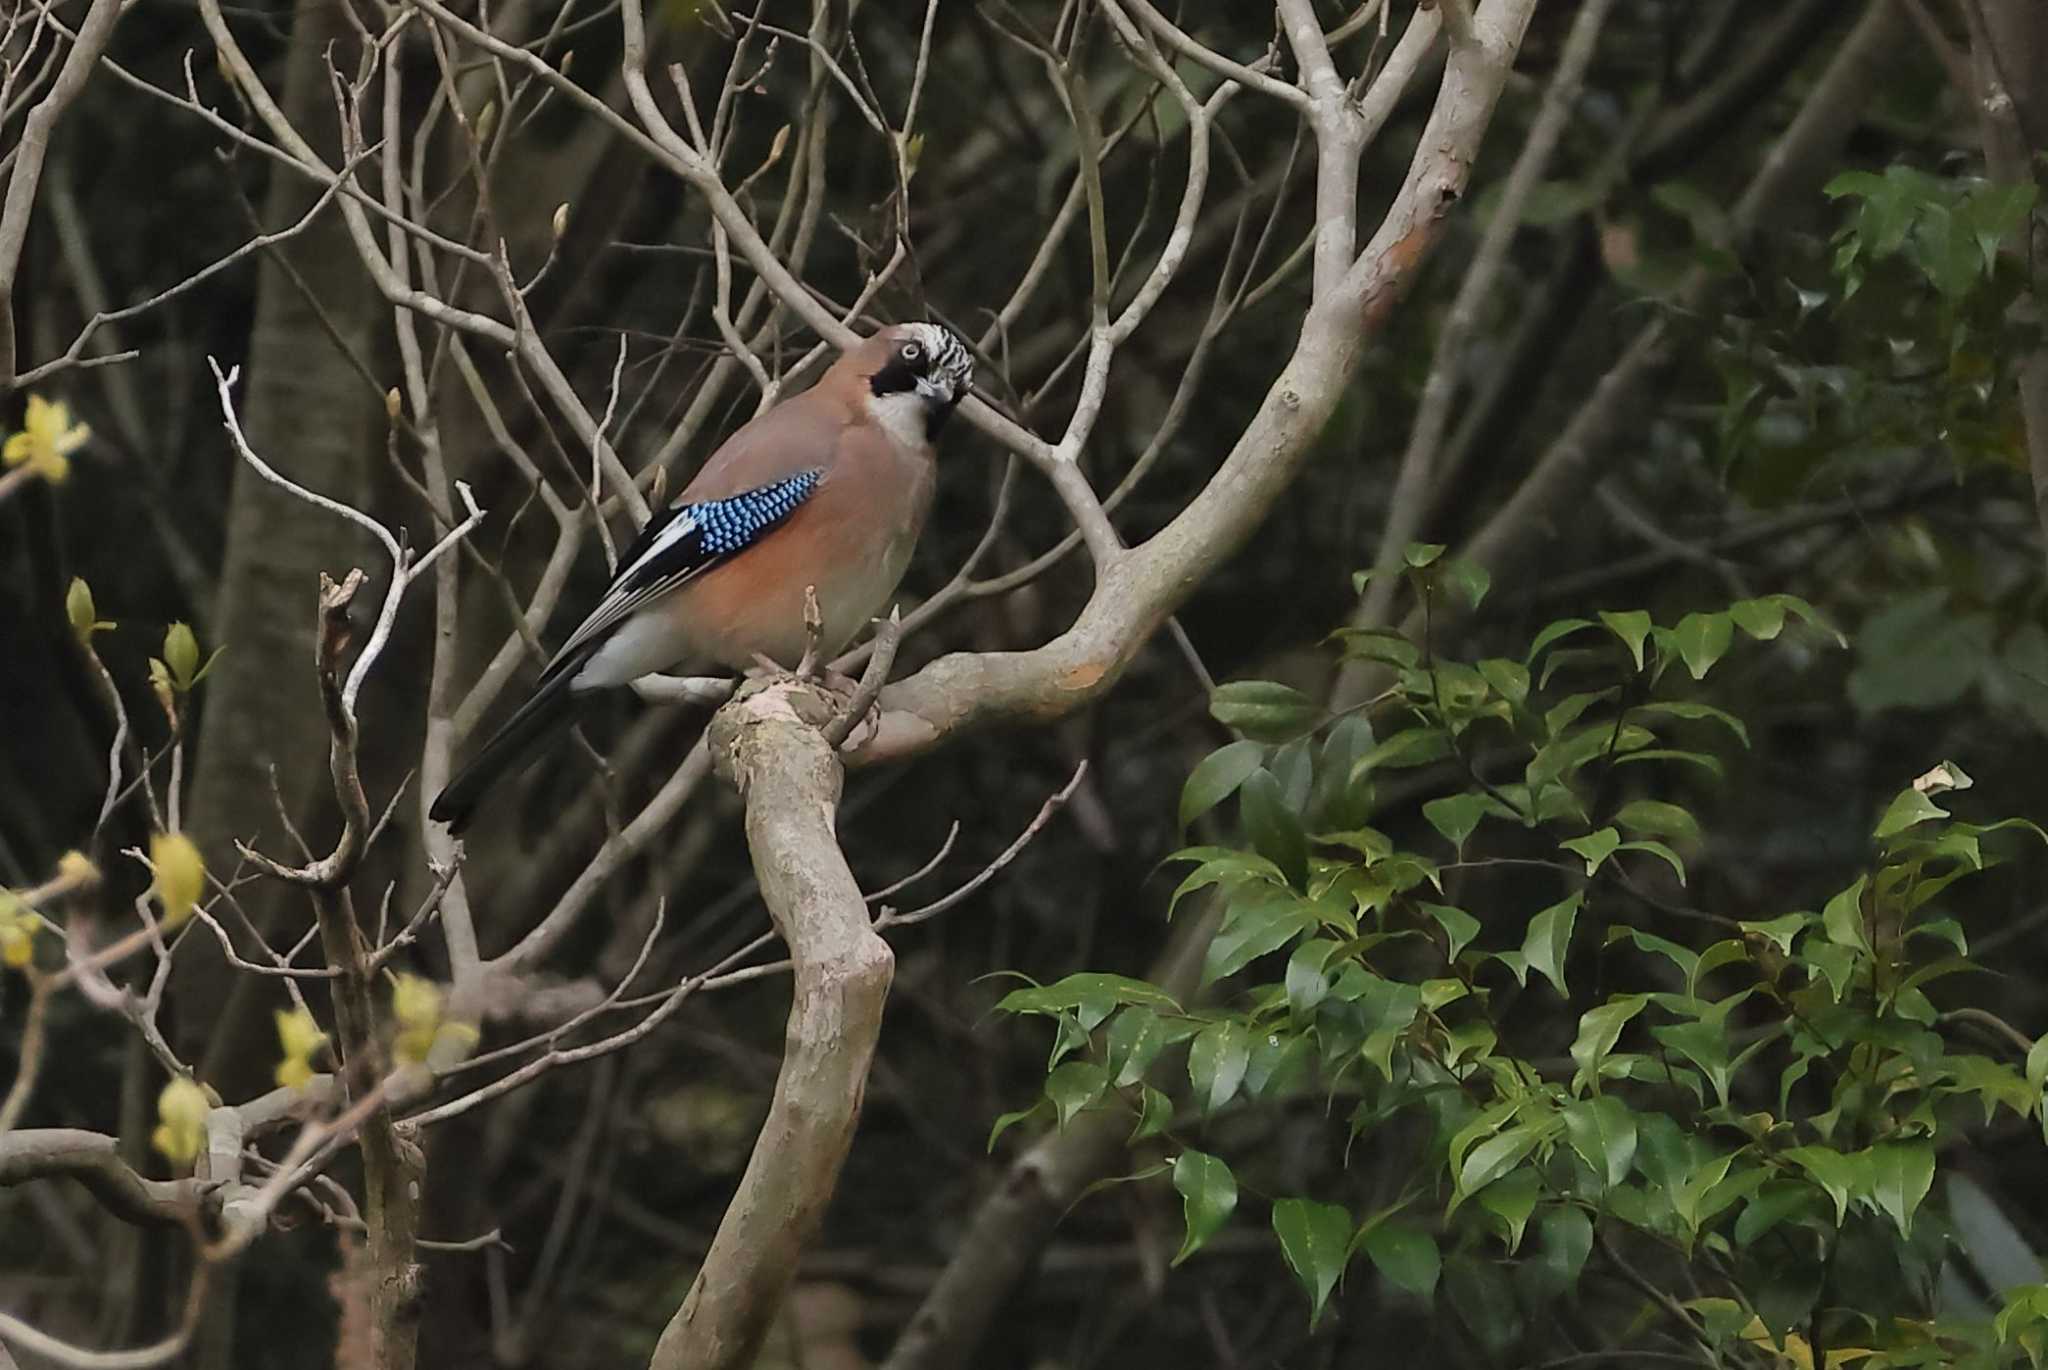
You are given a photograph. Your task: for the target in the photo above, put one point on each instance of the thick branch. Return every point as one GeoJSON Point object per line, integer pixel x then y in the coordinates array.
{"type": "Point", "coordinates": [769, 744]}
{"type": "Point", "coordinates": [94, 1160]}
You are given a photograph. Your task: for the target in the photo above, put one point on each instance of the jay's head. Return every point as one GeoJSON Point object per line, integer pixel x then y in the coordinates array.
{"type": "Point", "coordinates": [923, 362]}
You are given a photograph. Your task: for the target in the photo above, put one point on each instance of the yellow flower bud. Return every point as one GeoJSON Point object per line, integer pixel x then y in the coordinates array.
{"type": "Point", "coordinates": [79, 608]}
{"type": "Point", "coordinates": [46, 441]}
{"type": "Point", "coordinates": [416, 1004]}
{"type": "Point", "coordinates": [181, 655]}
{"type": "Point", "coordinates": [17, 944]}
{"type": "Point", "coordinates": [181, 1113]}
{"type": "Point", "coordinates": [299, 1034]}
{"type": "Point", "coordinates": [180, 875]}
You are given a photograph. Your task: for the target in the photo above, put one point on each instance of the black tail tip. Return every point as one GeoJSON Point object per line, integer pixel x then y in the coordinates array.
{"type": "Point", "coordinates": [452, 809]}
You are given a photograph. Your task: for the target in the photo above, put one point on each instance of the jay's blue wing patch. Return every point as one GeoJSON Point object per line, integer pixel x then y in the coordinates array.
{"type": "Point", "coordinates": [679, 543]}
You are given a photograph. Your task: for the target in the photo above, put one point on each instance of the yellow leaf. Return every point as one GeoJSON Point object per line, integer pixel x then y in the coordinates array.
{"type": "Point", "coordinates": [181, 1111]}
{"type": "Point", "coordinates": [293, 1072]}
{"type": "Point", "coordinates": [180, 875]}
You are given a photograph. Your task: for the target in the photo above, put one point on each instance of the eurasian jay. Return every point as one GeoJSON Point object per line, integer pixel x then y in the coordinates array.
{"type": "Point", "coordinates": [828, 489]}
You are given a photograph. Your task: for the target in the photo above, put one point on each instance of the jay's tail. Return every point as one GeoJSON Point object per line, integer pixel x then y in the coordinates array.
{"type": "Point", "coordinates": [553, 706]}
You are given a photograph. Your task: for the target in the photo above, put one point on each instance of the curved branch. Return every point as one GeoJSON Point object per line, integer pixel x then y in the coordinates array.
{"type": "Point", "coordinates": [1136, 592]}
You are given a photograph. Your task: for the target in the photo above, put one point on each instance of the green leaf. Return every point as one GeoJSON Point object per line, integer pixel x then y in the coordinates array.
{"type": "Point", "coordinates": [1421, 554]}
{"type": "Point", "coordinates": [1455, 816]}
{"type": "Point", "coordinates": [1316, 1239]}
{"type": "Point", "coordinates": [1901, 1175]}
{"type": "Point", "coordinates": [1843, 917]}
{"type": "Point", "coordinates": [1470, 579]}
{"type": "Point", "coordinates": [1566, 1234]}
{"type": "Point", "coordinates": [1136, 1037]}
{"type": "Point", "coordinates": [1379, 644]}
{"type": "Point", "coordinates": [1406, 1255]}
{"type": "Point", "coordinates": [1216, 778]}
{"type": "Point", "coordinates": [1279, 1064]}
{"type": "Point", "coordinates": [1566, 711]}
{"type": "Point", "coordinates": [1661, 852]}
{"type": "Point", "coordinates": [1632, 627]}
{"type": "Point", "coordinates": [1220, 865]}
{"type": "Point", "coordinates": [1073, 1086]}
{"type": "Point", "coordinates": [1779, 932]}
{"type": "Point", "coordinates": [1599, 1029]}
{"type": "Point", "coordinates": [1725, 952]}
{"type": "Point", "coordinates": [1009, 1120]}
{"type": "Point", "coordinates": [1307, 978]}
{"type": "Point", "coordinates": [1996, 212]}
{"type": "Point", "coordinates": [1705, 1044]}
{"type": "Point", "coordinates": [1831, 1170]}
{"type": "Point", "coordinates": [1076, 990]}
{"type": "Point", "coordinates": [1497, 1155]}
{"type": "Point", "coordinates": [2037, 1062]}
{"type": "Point", "coordinates": [1208, 1194]}
{"type": "Point", "coordinates": [1595, 847]}
{"type": "Point", "coordinates": [1254, 928]}
{"type": "Point", "coordinates": [1603, 1133]}
{"type": "Point", "coordinates": [1762, 619]}
{"type": "Point", "coordinates": [1155, 1113]}
{"type": "Point", "coordinates": [1216, 1063]}
{"type": "Point", "coordinates": [1811, 616]}
{"type": "Point", "coordinates": [1909, 809]}
{"type": "Point", "coordinates": [1512, 1198]}
{"type": "Point", "coordinates": [1551, 632]}
{"type": "Point", "coordinates": [1459, 927]}
{"type": "Point", "coordinates": [1409, 747]}
{"type": "Point", "coordinates": [1264, 710]}
{"type": "Point", "coordinates": [1549, 938]}
{"type": "Point", "coordinates": [1274, 829]}
{"type": "Point", "coordinates": [1773, 1202]}
{"type": "Point", "coordinates": [1509, 679]}
{"type": "Point", "coordinates": [1658, 819]}
{"type": "Point", "coordinates": [1687, 709]}
{"type": "Point", "coordinates": [1706, 761]}
{"type": "Point", "coordinates": [1702, 640]}
{"type": "Point", "coordinates": [1483, 1300]}
{"type": "Point", "coordinates": [1690, 1202]}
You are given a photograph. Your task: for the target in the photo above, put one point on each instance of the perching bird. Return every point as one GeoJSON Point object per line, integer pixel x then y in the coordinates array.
{"type": "Point", "coordinates": [828, 489]}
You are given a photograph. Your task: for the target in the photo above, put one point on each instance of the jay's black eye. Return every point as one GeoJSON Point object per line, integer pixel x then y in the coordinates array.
{"type": "Point", "coordinates": [913, 352]}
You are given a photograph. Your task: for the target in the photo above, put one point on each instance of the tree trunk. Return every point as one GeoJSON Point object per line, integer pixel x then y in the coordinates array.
{"type": "Point", "coordinates": [2009, 59]}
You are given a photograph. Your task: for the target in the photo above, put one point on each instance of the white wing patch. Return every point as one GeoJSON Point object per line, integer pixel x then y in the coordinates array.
{"type": "Point", "coordinates": [625, 596]}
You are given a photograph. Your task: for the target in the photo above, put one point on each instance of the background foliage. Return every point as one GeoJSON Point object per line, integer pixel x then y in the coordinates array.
{"type": "Point", "coordinates": [1663, 981]}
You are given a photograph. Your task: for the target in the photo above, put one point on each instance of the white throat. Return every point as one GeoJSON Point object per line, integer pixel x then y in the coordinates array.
{"type": "Point", "coordinates": [902, 415]}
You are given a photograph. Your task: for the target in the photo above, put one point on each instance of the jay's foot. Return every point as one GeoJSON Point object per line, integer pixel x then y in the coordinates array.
{"type": "Point", "coordinates": [807, 671]}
